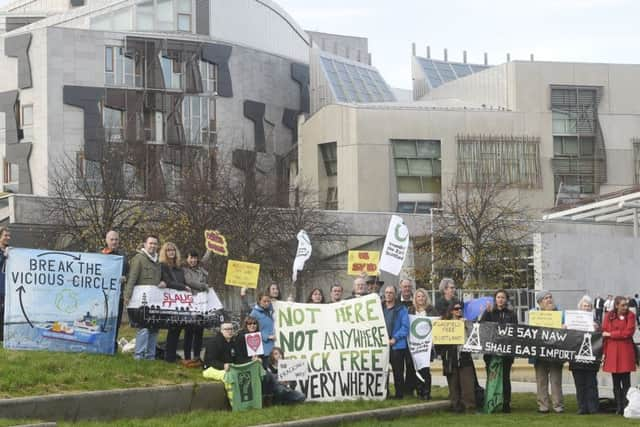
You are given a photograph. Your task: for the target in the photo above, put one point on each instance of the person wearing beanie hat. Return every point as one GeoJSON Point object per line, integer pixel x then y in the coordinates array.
{"type": "Point", "coordinates": [548, 371]}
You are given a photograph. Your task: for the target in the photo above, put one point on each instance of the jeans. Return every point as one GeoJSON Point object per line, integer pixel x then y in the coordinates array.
{"type": "Point", "coordinates": [146, 340]}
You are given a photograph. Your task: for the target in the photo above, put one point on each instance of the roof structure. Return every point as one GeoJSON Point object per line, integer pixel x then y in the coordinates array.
{"type": "Point", "coordinates": [621, 209]}
{"type": "Point", "coordinates": [441, 72]}
{"type": "Point", "coordinates": [354, 82]}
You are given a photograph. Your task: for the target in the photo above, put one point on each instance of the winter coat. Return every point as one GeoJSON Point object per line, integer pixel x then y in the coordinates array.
{"type": "Point", "coordinates": [453, 358]}
{"type": "Point", "coordinates": [442, 305]}
{"type": "Point", "coordinates": [502, 317]}
{"type": "Point", "coordinates": [242, 356]}
{"type": "Point", "coordinates": [265, 320]}
{"type": "Point", "coordinates": [196, 278]}
{"type": "Point", "coordinates": [173, 277]}
{"type": "Point", "coordinates": [397, 321]}
{"type": "Point", "coordinates": [619, 352]}
{"type": "Point", "coordinates": [125, 265]}
{"type": "Point", "coordinates": [142, 272]}
{"type": "Point", "coordinates": [219, 351]}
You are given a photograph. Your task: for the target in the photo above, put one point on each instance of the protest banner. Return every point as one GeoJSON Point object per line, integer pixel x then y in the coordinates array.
{"type": "Point", "coordinates": [61, 301]}
{"type": "Point", "coordinates": [345, 344]}
{"type": "Point", "coordinates": [254, 344]}
{"type": "Point", "coordinates": [546, 318]}
{"type": "Point", "coordinates": [292, 369]}
{"type": "Point", "coordinates": [448, 332]}
{"type": "Point", "coordinates": [395, 247]}
{"type": "Point", "coordinates": [363, 262]}
{"type": "Point", "coordinates": [154, 307]}
{"type": "Point", "coordinates": [579, 320]}
{"type": "Point", "coordinates": [419, 340]}
{"type": "Point", "coordinates": [242, 274]}
{"type": "Point", "coordinates": [216, 242]}
{"type": "Point", "coordinates": [302, 254]}
{"type": "Point", "coordinates": [533, 341]}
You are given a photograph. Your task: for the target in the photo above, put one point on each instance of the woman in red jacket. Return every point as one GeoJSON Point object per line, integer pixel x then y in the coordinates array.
{"type": "Point", "coordinates": [619, 352]}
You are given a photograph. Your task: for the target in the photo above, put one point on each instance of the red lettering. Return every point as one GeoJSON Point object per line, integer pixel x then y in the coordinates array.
{"type": "Point", "coordinates": [371, 267]}
{"type": "Point", "coordinates": [363, 255]}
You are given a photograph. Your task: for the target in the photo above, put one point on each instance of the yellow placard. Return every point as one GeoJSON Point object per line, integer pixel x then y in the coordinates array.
{"type": "Point", "coordinates": [546, 319]}
{"type": "Point", "coordinates": [242, 274]}
{"type": "Point", "coordinates": [448, 332]}
{"type": "Point", "coordinates": [363, 261]}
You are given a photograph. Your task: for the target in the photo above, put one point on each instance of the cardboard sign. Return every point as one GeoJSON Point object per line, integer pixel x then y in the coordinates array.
{"type": "Point", "coordinates": [292, 369]}
{"type": "Point", "coordinates": [216, 242]}
{"type": "Point", "coordinates": [579, 320]}
{"type": "Point", "coordinates": [546, 319]}
{"type": "Point", "coordinates": [242, 274]}
{"type": "Point", "coordinates": [448, 332]}
{"type": "Point", "coordinates": [254, 344]}
{"type": "Point", "coordinates": [363, 262]}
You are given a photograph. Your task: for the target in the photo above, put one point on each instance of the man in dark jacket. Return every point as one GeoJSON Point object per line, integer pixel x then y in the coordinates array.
{"type": "Point", "coordinates": [113, 248]}
{"type": "Point", "coordinates": [396, 318]}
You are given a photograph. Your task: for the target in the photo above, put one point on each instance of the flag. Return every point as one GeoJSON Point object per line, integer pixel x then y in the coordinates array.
{"type": "Point", "coordinates": [302, 254]}
{"type": "Point", "coordinates": [493, 397]}
{"type": "Point", "coordinates": [395, 247]}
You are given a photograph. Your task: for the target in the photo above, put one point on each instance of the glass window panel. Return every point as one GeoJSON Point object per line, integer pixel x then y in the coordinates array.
{"type": "Point", "coordinates": [184, 6]}
{"type": "Point", "coordinates": [430, 149]}
{"type": "Point", "coordinates": [407, 184]}
{"type": "Point", "coordinates": [404, 149]}
{"type": "Point", "coordinates": [402, 167]}
{"type": "Point", "coordinates": [431, 185]}
{"type": "Point", "coordinates": [164, 15]}
{"type": "Point", "coordinates": [586, 147]}
{"type": "Point", "coordinates": [108, 59]}
{"type": "Point", "coordinates": [165, 64]}
{"type": "Point", "coordinates": [424, 207]}
{"type": "Point", "coordinates": [406, 207]}
{"type": "Point", "coordinates": [557, 145]}
{"type": "Point", "coordinates": [570, 146]}
{"type": "Point", "coordinates": [184, 22]}
{"type": "Point", "coordinates": [27, 115]}
{"type": "Point", "coordinates": [195, 106]}
{"type": "Point", "coordinates": [437, 170]}
{"type": "Point", "coordinates": [420, 167]}
{"type": "Point", "coordinates": [461, 70]}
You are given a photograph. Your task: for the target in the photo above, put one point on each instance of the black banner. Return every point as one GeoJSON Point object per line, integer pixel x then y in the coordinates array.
{"type": "Point", "coordinates": [158, 318]}
{"type": "Point", "coordinates": [533, 341]}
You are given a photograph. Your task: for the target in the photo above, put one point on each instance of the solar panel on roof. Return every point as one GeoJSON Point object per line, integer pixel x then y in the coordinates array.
{"type": "Point", "coordinates": [461, 70]}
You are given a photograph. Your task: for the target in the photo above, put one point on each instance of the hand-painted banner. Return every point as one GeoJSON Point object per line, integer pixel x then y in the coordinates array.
{"type": "Point", "coordinates": [579, 320]}
{"type": "Point", "coordinates": [345, 344]}
{"type": "Point", "coordinates": [242, 274]}
{"type": "Point", "coordinates": [546, 318]}
{"type": "Point", "coordinates": [216, 242]}
{"type": "Point", "coordinates": [533, 341]}
{"type": "Point", "coordinates": [151, 306]}
{"type": "Point", "coordinates": [302, 254]}
{"type": "Point", "coordinates": [420, 342]}
{"type": "Point", "coordinates": [254, 344]}
{"type": "Point", "coordinates": [61, 301]}
{"type": "Point", "coordinates": [396, 246]}
{"type": "Point", "coordinates": [446, 332]}
{"type": "Point", "coordinates": [363, 262]}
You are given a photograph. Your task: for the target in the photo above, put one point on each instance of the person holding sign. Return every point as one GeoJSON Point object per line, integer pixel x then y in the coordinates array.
{"type": "Point", "coordinates": [263, 312]}
{"type": "Point", "coordinates": [500, 313]}
{"type": "Point", "coordinates": [196, 278]}
{"type": "Point", "coordinates": [145, 269]}
{"type": "Point", "coordinates": [422, 308]}
{"type": "Point", "coordinates": [251, 326]}
{"type": "Point", "coordinates": [548, 371]}
{"type": "Point", "coordinates": [619, 349]}
{"type": "Point", "coordinates": [316, 296]}
{"type": "Point", "coordinates": [284, 392]}
{"type": "Point", "coordinates": [447, 297]}
{"type": "Point", "coordinates": [396, 318]}
{"type": "Point", "coordinates": [459, 369]}
{"type": "Point", "coordinates": [585, 374]}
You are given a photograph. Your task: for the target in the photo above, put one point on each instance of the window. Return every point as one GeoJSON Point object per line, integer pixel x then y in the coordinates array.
{"type": "Point", "coordinates": [184, 22]}
{"type": "Point", "coordinates": [506, 160]}
{"type": "Point", "coordinates": [109, 66]}
{"type": "Point", "coordinates": [122, 70]}
{"type": "Point", "coordinates": [26, 122]}
{"type": "Point", "coordinates": [330, 158]}
{"type": "Point", "coordinates": [572, 146]}
{"type": "Point", "coordinates": [144, 16]}
{"type": "Point", "coordinates": [565, 122]}
{"type": "Point", "coordinates": [417, 164]}
{"type": "Point", "coordinates": [636, 160]}
{"type": "Point", "coordinates": [209, 74]}
{"type": "Point", "coordinates": [172, 72]}
{"type": "Point", "coordinates": [10, 172]}
{"type": "Point", "coordinates": [416, 207]}
{"type": "Point", "coordinates": [576, 184]}
{"type": "Point", "coordinates": [90, 172]}
{"type": "Point", "coordinates": [112, 122]}
{"type": "Point", "coordinates": [164, 15]}
{"type": "Point", "coordinates": [199, 120]}
{"type": "Point", "coordinates": [153, 125]}
{"type": "Point", "coordinates": [332, 199]}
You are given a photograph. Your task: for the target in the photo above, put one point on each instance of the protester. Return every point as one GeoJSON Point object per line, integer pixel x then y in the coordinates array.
{"type": "Point", "coordinates": [336, 292]}
{"type": "Point", "coordinates": [251, 326]}
{"type": "Point", "coordinates": [263, 312]}
{"type": "Point", "coordinates": [112, 239]}
{"type": "Point", "coordinates": [173, 276]}
{"type": "Point", "coordinates": [548, 371]}
{"type": "Point", "coordinates": [273, 290]}
{"type": "Point", "coordinates": [396, 318]}
{"type": "Point", "coordinates": [585, 374]}
{"type": "Point", "coordinates": [374, 285]}
{"type": "Point", "coordinates": [406, 293]}
{"type": "Point", "coordinates": [598, 304]}
{"type": "Point", "coordinates": [196, 278]}
{"type": "Point", "coordinates": [316, 296]}
{"type": "Point", "coordinates": [5, 238]}
{"type": "Point", "coordinates": [499, 312]}
{"type": "Point", "coordinates": [619, 352]}
{"type": "Point", "coordinates": [284, 392]}
{"type": "Point", "coordinates": [458, 368]}
{"type": "Point", "coordinates": [422, 307]}
{"type": "Point", "coordinates": [447, 297]}
{"type": "Point", "coordinates": [145, 270]}
{"type": "Point", "coordinates": [359, 287]}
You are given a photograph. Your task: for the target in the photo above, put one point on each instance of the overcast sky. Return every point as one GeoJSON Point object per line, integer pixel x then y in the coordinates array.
{"type": "Point", "coordinates": [556, 30]}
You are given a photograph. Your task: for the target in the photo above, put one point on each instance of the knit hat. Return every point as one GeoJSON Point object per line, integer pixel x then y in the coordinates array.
{"type": "Point", "coordinates": [540, 295]}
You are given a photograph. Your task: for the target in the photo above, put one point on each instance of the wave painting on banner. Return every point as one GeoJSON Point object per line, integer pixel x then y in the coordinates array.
{"type": "Point", "coordinates": [61, 301]}
{"type": "Point", "coordinates": [345, 344]}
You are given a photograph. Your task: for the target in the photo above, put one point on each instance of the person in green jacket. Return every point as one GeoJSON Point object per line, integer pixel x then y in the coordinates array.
{"type": "Point", "coordinates": [145, 270]}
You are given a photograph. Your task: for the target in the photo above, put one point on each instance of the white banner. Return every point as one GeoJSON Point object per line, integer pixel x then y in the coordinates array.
{"type": "Point", "coordinates": [345, 344]}
{"type": "Point", "coordinates": [302, 255]}
{"type": "Point", "coordinates": [420, 340]}
{"type": "Point", "coordinates": [579, 320]}
{"type": "Point", "coordinates": [395, 247]}
{"type": "Point", "coordinates": [292, 370]}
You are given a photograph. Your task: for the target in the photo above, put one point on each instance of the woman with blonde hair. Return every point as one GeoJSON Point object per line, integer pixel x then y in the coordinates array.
{"type": "Point", "coordinates": [422, 307]}
{"type": "Point", "coordinates": [173, 276]}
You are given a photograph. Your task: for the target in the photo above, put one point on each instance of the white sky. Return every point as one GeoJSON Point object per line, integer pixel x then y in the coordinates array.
{"type": "Point", "coordinates": [553, 30]}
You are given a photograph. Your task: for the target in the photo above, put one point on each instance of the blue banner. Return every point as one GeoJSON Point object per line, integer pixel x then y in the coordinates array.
{"type": "Point", "coordinates": [61, 301]}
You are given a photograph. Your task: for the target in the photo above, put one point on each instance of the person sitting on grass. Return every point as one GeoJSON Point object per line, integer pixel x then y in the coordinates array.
{"type": "Point", "coordinates": [284, 392]}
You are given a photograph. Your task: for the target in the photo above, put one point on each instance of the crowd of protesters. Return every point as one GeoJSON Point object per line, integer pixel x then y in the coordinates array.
{"type": "Point", "coordinates": [615, 317]}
